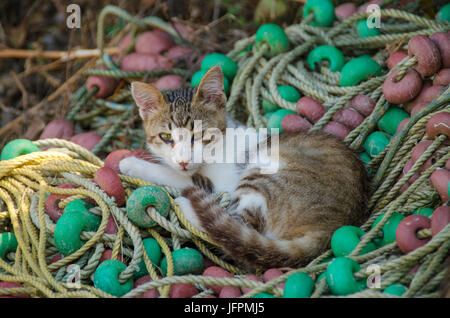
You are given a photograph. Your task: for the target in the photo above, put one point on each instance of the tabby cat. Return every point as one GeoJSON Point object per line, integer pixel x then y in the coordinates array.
{"type": "Point", "coordinates": [274, 220]}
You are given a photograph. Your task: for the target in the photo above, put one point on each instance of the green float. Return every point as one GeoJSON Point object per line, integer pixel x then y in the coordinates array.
{"type": "Point", "coordinates": [18, 147]}
{"type": "Point", "coordinates": [375, 143]}
{"type": "Point", "coordinates": [359, 69]}
{"type": "Point", "coordinates": [263, 295]}
{"type": "Point", "coordinates": [274, 36]}
{"type": "Point", "coordinates": [389, 228]}
{"type": "Point", "coordinates": [267, 116]}
{"type": "Point", "coordinates": [228, 66]}
{"type": "Point", "coordinates": [75, 219]}
{"type": "Point", "coordinates": [8, 244]}
{"type": "Point", "coordinates": [106, 278]}
{"type": "Point", "coordinates": [391, 119]}
{"type": "Point", "coordinates": [363, 30]}
{"type": "Point", "coordinates": [395, 289]}
{"type": "Point", "coordinates": [365, 157]}
{"type": "Point", "coordinates": [185, 261]}
{"type": "Point", "coordinates": [287, 92]}
{"type": "Point", "coordinates": [424, 211]}
{"type": "Point", "coordinates": [444, 13]}
{"type": "Point", "coordinates": [143, 198]}
{"type": "Point", "coordinates": [346, 238]}
{"type": "Point", "coordinates": [323, 10]}
{"type": "Point", "coordinates": [153, 251]}
{"type": "Point", "coordinates": [326, 52]}
{"type": "Point", "coordinates": [340, 277]}
{"type": "Point", "coordinates": [298, 285]}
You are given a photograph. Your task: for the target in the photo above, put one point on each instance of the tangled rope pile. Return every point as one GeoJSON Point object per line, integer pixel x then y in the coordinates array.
{"type": "Point", "coordinates": [258, 76]}
{"type": "Point", "coordinates": [26, 180]}
{"type": "Point", "coordinates": [107, 116]}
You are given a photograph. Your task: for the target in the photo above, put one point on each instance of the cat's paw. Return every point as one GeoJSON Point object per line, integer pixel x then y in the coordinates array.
{"type": "Point", "coordinates": [185, 206]}
{"type": "Point", "coordinates": [130, 167]}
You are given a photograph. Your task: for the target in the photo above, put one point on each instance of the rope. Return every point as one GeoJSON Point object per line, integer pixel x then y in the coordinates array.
{"type": "Point", "coordinates": [25, 181]}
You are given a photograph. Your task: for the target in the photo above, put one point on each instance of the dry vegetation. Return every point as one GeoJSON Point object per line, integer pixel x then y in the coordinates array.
{"type": "Point", "coordinates": [36, 89]}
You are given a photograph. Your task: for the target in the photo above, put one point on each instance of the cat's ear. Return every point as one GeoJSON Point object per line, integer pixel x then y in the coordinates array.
{"type": "Point", "coordinates": [148, 98]}
{"type": "Point", "coordinates": [210, 89]}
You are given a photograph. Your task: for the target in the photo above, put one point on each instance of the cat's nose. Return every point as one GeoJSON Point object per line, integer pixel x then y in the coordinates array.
{"type": "Point", "coordinates": [183, 164]}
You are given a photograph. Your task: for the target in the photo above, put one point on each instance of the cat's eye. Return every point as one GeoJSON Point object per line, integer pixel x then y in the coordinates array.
{"type": "Point", "coordinates": [167, 138]}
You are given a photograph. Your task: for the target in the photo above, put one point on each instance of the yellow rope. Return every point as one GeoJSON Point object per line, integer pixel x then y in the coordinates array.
{"type": "Point", "coordinates": [166, 250]}
{"type": "Point", "coordinates": [25, 175]}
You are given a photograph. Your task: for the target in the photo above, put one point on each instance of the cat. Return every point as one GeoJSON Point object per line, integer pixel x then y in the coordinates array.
{"type": "Point", "coordinates": [282, 219]}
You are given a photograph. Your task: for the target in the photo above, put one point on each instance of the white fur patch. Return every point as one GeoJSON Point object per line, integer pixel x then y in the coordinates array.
{"type": "Point", "coordinates": [131, 166]}
{"type": "Point", "coordinates": [224, 176]}
{"type": "Point", "coordinates": [188, 211]}
{"type": "Point", "coordinates": [154, 173]}
{"type": "Point", "coordinates": [252, 200]}
{"type": "Point", "coordinates": [307, 243]}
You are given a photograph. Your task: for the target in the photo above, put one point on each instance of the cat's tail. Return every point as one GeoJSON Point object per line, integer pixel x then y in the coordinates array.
{"type": "Point", "coordinates": [245, 244]}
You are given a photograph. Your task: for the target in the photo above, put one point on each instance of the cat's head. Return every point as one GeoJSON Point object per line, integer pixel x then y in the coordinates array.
{"type": "Point", "coordinates": [169, 119]}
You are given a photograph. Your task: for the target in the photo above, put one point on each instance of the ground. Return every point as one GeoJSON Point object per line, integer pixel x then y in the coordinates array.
{"type": "Point", "coordinates": [33, 91]}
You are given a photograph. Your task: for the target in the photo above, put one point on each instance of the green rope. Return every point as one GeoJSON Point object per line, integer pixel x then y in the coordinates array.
{"type": "Point", "coordinates": [81, 102]}
{"type": "Point", "coordinates": [131, 74]}
{"type": "Point", "coordinates": [111, 132]}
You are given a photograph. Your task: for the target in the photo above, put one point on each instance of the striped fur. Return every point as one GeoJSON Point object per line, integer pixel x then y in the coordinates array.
{"type": "Point", "coordinates": [322, 187]}
{"type": "Point", "coordinates": [274, 220]}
